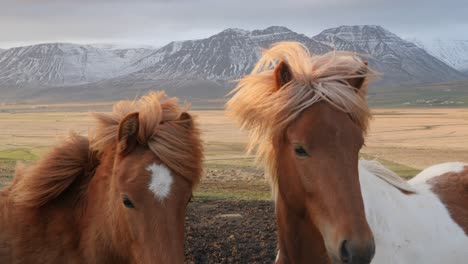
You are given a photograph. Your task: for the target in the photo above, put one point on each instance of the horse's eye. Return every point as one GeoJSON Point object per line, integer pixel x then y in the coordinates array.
{"type": "Point", "coordinates": [127, 202]}
{"type": "Point", "coordinates": [300, 151]}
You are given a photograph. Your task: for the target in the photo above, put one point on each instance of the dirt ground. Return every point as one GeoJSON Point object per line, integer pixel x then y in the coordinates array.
{"type": "Point", "coordinates": [230, 231]}
{"type": "Point", "coordinates": [231, 218]}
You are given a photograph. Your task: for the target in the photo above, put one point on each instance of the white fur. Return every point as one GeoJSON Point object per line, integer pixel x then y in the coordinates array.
{"type": "Point", "coordinates": [387, 175]}
{"type": "Point", "coordinates": [437, 170]}
{"type": "Point", "coordinates": [413, 228]}
{"type": "Point", "coordinates": [161, 181]}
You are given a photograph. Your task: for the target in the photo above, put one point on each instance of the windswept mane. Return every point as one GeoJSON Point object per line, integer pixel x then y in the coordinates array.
{"type": "Point", "coordinates": [266, 113]}
{"type": "Point", "coordinates": [164, 127]}
{"type": "Point", "coordinates": [70, 163]}
{"type": "Point", "coordinates": [387, 175]}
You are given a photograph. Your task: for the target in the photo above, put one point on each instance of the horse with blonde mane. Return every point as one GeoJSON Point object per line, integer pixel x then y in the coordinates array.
{"type": "Point", "coordinates": [118, 197]}
{"type": "Point", "coordinates": [307, 116]}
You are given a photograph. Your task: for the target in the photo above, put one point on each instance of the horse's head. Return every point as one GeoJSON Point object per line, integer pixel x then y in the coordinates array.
{"type": "Point", "coordinates": [319, 155]}
{"type": "Point", "coordinates": [157, 162]}
{"type": "Point", "coordinates": [306, 116]}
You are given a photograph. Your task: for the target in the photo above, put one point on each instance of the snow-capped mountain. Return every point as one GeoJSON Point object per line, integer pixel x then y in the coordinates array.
{"type": "Point", "coordinates": [401, 61]}
{"type": "Point", "coordinates": [452, 52]}
{"type": "Point", "coordinates": [64, 64]}
{"type": "Point", "coordinates": [233, 52]}
{"type": "Point", "coordinates": [225, 56]}
{"type": "Point", "coordinates": [199, 68]}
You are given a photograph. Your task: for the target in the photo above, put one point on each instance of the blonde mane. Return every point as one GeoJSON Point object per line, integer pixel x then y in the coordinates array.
{"type": "Point", "coordinates": [387, 175]}
{"type": "Point", "coordinates": [174, 139]}
{"type": "Point", "coordinates": [266, 113]}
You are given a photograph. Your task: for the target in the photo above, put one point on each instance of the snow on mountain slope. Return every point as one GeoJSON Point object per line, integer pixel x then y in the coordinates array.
{"type": "Point", "coordinates": [222, 56]}
{"type": "Point", "coordinates": [400, 61]}
{"type": "Point", "coordinates": [452, 52]}
{"type": "Point", "coordinates": [233, 52]}
{"type": "Point", "coordinates": [63, 64]}
{"type": "Point", "coordinates": [225, 56]}
{"type": "Point", "coordinates": [264, 38]}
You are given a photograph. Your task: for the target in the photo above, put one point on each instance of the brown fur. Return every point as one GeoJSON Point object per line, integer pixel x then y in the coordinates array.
{"type": "Point", "coordinates": [265, 110]}
{"type": "Point", "coordinates": [452, 189]}
{"type": "Point", "coordinates": [317, 103]}
{"type": "Point", "coordinates": [68, 208]}
{"type": "Point", "coordinates": [320, 220]}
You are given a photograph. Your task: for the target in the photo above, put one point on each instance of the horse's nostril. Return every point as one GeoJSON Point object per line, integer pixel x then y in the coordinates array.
{"type": "Point", "coordinates": [345, 254]}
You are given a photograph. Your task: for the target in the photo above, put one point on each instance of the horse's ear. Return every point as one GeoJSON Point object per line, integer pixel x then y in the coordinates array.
{"type": "Point", "coordinates": [282, 75]}
{"type": "Point", "coordinates": [359, 81]}
{"type": "Point", "coordinates": [128, 133]}
{"type": "Point", "coordinates": [185, 120]}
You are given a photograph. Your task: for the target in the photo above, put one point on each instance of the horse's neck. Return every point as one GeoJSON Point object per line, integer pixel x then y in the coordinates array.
{"type": "Point", "coordinates": [299, 241]}
{"type": "Point", "coordinates": [380, 196]}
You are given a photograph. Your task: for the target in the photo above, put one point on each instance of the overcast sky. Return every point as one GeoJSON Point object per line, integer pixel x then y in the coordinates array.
{"type": "Point", "coordinates": [157, 22]}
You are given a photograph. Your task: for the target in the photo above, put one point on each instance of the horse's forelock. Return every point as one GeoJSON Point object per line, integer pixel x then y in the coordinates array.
{"type": "Point", "coordinates": [170, 141]}
{"type": "Point", "coordinates": [265, 111]}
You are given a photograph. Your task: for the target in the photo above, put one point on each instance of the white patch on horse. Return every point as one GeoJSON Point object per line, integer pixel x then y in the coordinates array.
{"type": "Point", "coordinates": [438, 170]}
{"type": "Point", "coordinates": [414, 228]}
{"type": "Point", "coordinates": [161, 181]}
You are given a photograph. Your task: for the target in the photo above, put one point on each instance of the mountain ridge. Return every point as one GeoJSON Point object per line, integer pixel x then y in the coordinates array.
{"type": "Point", "coordinates": [203, 67]}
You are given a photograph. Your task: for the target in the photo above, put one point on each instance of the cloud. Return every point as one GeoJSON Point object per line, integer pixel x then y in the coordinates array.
{"type": "Point", "coordinates": [158, 22]}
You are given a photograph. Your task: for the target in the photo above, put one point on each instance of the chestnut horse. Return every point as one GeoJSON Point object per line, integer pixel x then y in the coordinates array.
{"type": "Point", "coordinates": [307, 117]}
{"type": "Point", "coordinates": [119, 197]}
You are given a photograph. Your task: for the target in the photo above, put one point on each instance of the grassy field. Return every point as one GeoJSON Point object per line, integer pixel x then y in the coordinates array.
{"type": "Point", "coordinates": [405, 140]}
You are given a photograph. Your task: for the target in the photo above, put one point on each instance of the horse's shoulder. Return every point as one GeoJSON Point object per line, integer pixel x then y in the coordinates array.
{"type": "Point", "coordinates": [438, 170]}
{"type": "Point", "coordinates": [452, 189]}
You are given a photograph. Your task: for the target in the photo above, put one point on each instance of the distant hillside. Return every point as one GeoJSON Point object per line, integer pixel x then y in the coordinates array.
{"type": "Point", "coordinates": [197, 69]}
{"type": "Point", "coordinates": [450, 94]}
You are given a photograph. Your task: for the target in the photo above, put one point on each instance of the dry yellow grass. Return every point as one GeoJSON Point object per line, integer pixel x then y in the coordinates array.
{"type": "Point", "coordinates": [412, 137]}
{"type": "Point", "coordinates": [38, 131]}
{"type": "Point", "coordinates": [419, 137]}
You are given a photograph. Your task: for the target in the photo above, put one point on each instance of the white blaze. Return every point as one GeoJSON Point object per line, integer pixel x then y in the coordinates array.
{"type": "Point", "coordinates": [161, 181]}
